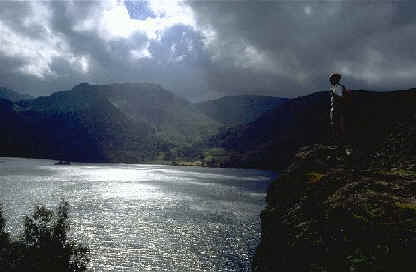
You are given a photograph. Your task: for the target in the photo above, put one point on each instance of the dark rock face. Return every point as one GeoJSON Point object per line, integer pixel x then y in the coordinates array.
{"type": "Point", "coordinates": [326, 214]}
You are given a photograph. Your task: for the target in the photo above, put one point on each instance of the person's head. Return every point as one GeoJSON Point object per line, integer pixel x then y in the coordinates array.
{"type": "Point", "coordinates": [334, 78]}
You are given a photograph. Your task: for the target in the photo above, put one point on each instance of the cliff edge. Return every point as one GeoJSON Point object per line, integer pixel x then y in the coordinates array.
{"type": "Point", "coordinates": [333, 212]}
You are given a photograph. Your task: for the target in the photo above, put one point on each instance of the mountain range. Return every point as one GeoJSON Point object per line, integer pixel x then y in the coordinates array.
{"type": "Point", "coordinates": [143, 122]}
{"type": "Point", "coordinates": [74, 125]}
{"type": "Point", "coordinates": [126, 122]}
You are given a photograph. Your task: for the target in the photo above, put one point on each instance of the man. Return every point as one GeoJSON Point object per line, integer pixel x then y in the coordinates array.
{"type": "Point", "coordinates": [338, 110]}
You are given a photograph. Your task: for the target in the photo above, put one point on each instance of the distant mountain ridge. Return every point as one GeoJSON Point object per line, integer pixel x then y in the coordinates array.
{"type": "Point", "coordinates": [173, 118]}
{"type": "Point", "coordinates": [271, 140]}
{"type": "Point", "coordinates": [101, 123]}
{"type": "Point", "coordinates": [77, 126]}
{"type": "Point", "coordinates": [241, 109]}
{"type": "Point", "coordinates": [13, 96]}
{"type": "Point", "coordinates": [142, 122]}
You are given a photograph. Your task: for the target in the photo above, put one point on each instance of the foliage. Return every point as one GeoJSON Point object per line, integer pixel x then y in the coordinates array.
{"type": "Point", "coordinates": [44, 245]}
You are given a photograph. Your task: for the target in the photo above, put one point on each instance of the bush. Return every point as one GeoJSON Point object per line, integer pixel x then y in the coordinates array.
{"type": "Point", "coordinates": [44, 245]}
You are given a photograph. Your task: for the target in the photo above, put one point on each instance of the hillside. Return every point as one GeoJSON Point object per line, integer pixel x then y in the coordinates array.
{"type": "Point", "coordinates": [332, 212]}
{"type": "Point", "coordinates": [173, 119]}
{"type": "Point", "coordinates": [271, 140]}
{"type": "Point", "coordinates": [237, 110]}
{"type": "Point", "coordinates": [102, 123]}
{"type": "Point", "coordinates": [143, 122]}
{"type": "Point", "coordinates": [75, 126]}
{"type": "Point", "coordinates": [12, 95]}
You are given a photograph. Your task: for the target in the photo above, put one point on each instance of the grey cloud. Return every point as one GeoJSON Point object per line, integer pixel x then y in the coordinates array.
{"type": "Point", "coordinates": [13, 14]}
{"type": "Point", "coordinates": [333, 35]}
{"type": "Point", "coordinates": [276, 48]}
{"type": "Point", "coordinates": [111, 61]}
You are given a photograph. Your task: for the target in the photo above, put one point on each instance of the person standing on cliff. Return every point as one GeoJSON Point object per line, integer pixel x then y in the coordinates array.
{"type": "Point", "coordinates": [337, 111]}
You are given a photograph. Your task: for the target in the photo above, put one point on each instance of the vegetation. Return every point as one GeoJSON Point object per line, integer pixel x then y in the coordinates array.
{"type": "Point", "coordinates": [333, 212]}
{"type": "Point", "coordinates": [44, 245]}
{"type": "Point", "coordinates": [103, 123]}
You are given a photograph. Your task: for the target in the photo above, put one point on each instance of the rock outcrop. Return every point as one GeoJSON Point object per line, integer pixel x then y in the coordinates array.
{"type": "Point", "coordinates": [333, 212]}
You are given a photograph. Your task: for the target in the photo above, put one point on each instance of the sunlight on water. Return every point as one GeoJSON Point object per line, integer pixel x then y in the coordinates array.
{"type": "Point", "coordinates": [130, 191]}
{"type": "Point", "coordinates": [146, 217]}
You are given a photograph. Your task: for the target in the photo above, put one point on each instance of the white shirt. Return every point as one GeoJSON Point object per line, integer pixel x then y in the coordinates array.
{"type": "Point", "coordinates": [337, 90]}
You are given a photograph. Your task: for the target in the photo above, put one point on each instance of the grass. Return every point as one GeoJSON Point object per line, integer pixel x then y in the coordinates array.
{"type": "Point", "coordinates": [408, 205]}
{"type": "Point", "coordinates": [314, 177]}
{"type": "Point", "coordinates": [398, 172]}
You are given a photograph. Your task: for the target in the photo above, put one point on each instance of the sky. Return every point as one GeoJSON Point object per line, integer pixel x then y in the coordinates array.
{"type": "Point", "coordinates": [205, 49]}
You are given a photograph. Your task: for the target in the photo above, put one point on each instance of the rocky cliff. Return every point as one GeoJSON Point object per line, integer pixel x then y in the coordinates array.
{"type": "Point", "coordinates": [333, 212]}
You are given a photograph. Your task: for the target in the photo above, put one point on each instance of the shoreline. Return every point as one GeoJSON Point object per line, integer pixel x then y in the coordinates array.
{"type": "Point", "coordinates": [155, 162]}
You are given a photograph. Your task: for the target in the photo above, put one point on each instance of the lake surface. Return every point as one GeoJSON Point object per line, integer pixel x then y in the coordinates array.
{"type": "Point", "coordinates": [145, 217]}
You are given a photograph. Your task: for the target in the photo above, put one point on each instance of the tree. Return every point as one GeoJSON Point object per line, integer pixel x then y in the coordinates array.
{"type": "Point", "coordinates": [44, 245]}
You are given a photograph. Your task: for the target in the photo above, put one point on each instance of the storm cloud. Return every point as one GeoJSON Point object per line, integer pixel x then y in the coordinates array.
{"type": "Point", "coordinates": [206, 49]}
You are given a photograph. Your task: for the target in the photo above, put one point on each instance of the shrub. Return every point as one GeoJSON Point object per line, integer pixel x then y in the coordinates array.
{"type": "Point", "coordinates": [44, 245]}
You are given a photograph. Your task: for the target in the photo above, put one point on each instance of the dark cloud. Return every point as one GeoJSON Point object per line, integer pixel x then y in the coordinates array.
{"type": "Point", "coordinates": [277, 48]}
{"type": "Point", "coordinates": [371, 42]}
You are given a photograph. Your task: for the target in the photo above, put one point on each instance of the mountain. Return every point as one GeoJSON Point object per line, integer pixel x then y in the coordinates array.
{"type": "Point", "coordinates": [332, 212]}
{"type": "Point", "coordinates": [144, 122]}
{"type": "Point", "coordinates": [173, 119]}
{"type": "Point", "coordinates": [271, 140]}
{"type": "Point", "coordinates": [12, 95]}
{"type": "Point", "coordinates": [237, 110]}
{"type": "Point", "coordinates": [102, 123]}
{"type": "Point", "coordinates": [78, 126]}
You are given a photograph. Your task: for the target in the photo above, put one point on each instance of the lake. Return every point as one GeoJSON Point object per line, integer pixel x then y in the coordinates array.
{"type": "Point", "coordinates": [137, 217]}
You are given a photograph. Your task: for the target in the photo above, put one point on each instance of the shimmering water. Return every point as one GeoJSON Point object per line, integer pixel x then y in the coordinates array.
{"type": "Point", "coordinates": [145, 217]}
